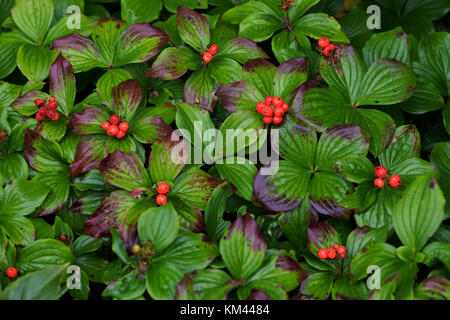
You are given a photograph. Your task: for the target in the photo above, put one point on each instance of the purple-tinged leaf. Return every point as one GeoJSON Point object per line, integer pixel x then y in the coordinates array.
{"type": "Point", "coordinates": [126, 98]}
{"type": "Point", "coordinates": [25, 105]}
{"type": "Point", "coordinates": [258, 295]}
{"type": "Point", "coordinates": [88, 121]}
{"type": "Point", "coordinates": [193, 28]}
{"type": "Point", "coordinates": [282, 190]}
{"type": "Point", "coordinates": [88, 155]}
{"type": "Point", "coordinates": [41, 154]}
{"type": "Point", "coordinates": [239, 95]}
{"type": "Point", "coordinates": [62, 84]}
{"type": "Point", "coordinates": [321, 235]}
{"type": "Point", "coordinates": [167, 159]}
{"type": "Point", "coordinates": [81, 52]}
{"type": "Point", "coordinates": [117, 210]}
{"type": "Point", "coordinates": [191, 217]}
{"type": "Point", "coordinates": [139, 43]}
{"type": "Point", "coordinates": [243, 247]}
{"type": "Point", "coordinates": [289, 76]}
{"type": "Point", "coordinates": [172, 63]}
{"type": "Point", "coordinates": [199, 90]}
{"type": "Point", "coordinates": [435, 287]}
{"type": "Point", "coordinates": [147, 128]}
{"type": "Point", "coordinates": [328, 207]}
{"type": "Point", "coordinates": [242, 49]}
{"type": "Point", "coordinates": [259, 73]}
{"type": "Point", "coordinates": [124, 170]}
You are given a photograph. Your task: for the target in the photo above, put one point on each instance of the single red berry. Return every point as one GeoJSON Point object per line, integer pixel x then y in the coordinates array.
{"type": "Point", "coordinates": [342, 250]}
{"type": "Point", "coordinates": [161, 199]}
{"type": "Point", "coordinates": [55, 117]}
{"type": "Point", "coordinates": [114, 119]}
{"type": "Point", "coordinates": [267, 120]}
{"type": "Point", "coordinates": [3, 133]}
{"type": "Point", "coordinates": [342, 256]}
{"type": "Point", "coordinates": [135, 248]}
{"type": "Point", "coordinates": [207, 57]}
{"type": "Point", "coordinates": [269, 100]}
{"type": "Point", "coordinates": [327, 50]}
{"type": "Point", "coordinates": [284, 7]}
{"type": "Point", "coordinates": [379, 183]}
{"type": "Point", "coordinates": [11, 272]}
{"type": "Point", "coordinates": [53, 104]}
{"type": "Point", "coordinates": [380, 172]}
{"type": "Point", "coordinates": [335, 246]}
{"type": "Point", "coordinates": [322, 254]}
{"type": "Point", "coordinates": [395, 181]}
{"type": "Point", "coordinates": [120, 134]}
{"type": "Point", "coordinates": [214, 49]}
{"type": "Point", "coordinates": [43, 110]}
{"type": "Point", "coordinates": [278, 112]}
{"type": "Point", "coordinates": [285, 106]}
{"type": "Point", "coordinates": [277, 102]}
{"type": "Point", "coordinates": [323, 42]}
{"type": "Point", "coordinates": [52, 98]}
{"type": "Point", "coordinates": [123, 126]}
{"type": "Point", "coordinates": [331, 253]}
{"type": "Point", "coordinates": [40, 116]}
{"type": "Point", "coordinates": [112, 130]}
{"type": "Point", "coordinates": [105, 125]}
{"type": "Point", "coordinates": [277, 120]}
{"type": "Point", "coordinates": [163, 188]}
{"type": "Point", "coordinates": [38, 102]}
{"type": "Point", "coordinates": [51, 113]}
{"type": "Point", "coordinates": [259, 106]}
{"type": "Point", "coordinates": [267, 111]}
{"type": "Point", "coordinates": [63, 237]}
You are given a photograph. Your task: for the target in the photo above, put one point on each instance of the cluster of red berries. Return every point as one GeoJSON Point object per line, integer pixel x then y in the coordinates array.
{"type": "Point", "coordinates": [286, 4]}
{"type": "Point", "coordinates": [162, 190]}
{"type": "Point", "coordinates": [46, 110]}
{"type": "Point", "coordinates": [112, 129]}
{"type": "Point", "coordinates": [270, 114]}
{"type": "Point", "coordinates": [331, 252]}
{"type": "Point", "coordinates": [208, 55]}
{"type": "Point", "coordinates": [327, 47]}
{"type": "Point", "coordinates": [381, 173]}
{"type": "Point", "coordinates": [11, 272]}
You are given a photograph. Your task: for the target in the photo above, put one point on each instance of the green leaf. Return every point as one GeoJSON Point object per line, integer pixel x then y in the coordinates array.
{"type": "Point", "coordinates": [193, 28]}
{"type": "Point", "coordinates": [295, 223]}
{"type": "Point", "coordinates": [259, 27]}
{"type": "Point", "coordinates": [158, 225]}
{"type": "Point", "coordinates": [318, 284]}
{"type": "Point", "coordinates": [119, 247]}
{"type": "Point", "coordinates": [34, 62]}
{"type": "Point", "coordinates": [33, 18]}
{"type": "Point", "coordinates": [13, 166]}
{"type": "Point", "coordinates": [161, 281]}
{"type": "Point", "coordinates": [110, 79]}
{"type": "Point", "coordinates": [243, 247]}
{"type": "Point", "coordinates": [62, 84]}
{"type": "Point", "coordinates": [58, 181]}
{"type": "Point", "coordinates": [241, 173]}
{"type": "Point", "coordinates": [43, 284]}
{"type": "Point", "coordinates": [440, 157]}
{"type": "Point", "coordinates": [419, 213]}
{"type": "Point", "coordinates": [289, 75]}
{"type": "Point", "coordinates": [356, 169]}
{"type": "Point", "coordinates": [22, 197]}
{"type": "Point", "coordinates": [391, 44]}
{"type": "Point", "coordinates": [198, 89]}
{"type": "Point", "coordinates": [240, 49]}
{"type": "Point", "coordinates": [148, 128]}
{"type": "Point", "coordinates": [435, 252]}
{"type": "Point", "coordinates": [173, 62]}
{"type": "Point", "coordinates": [318, 25]}
{"type": "Point", "coordinates": [86, 244]}
{"type": "Point", "coordinates": [224, 70]}
{"type": "Point", "coordinates": [19, 229]}
{"type": "Point", "coordinates": [215, 225]}
{"type": "Point", "coordinates": [43, 253]}
{"type": "Point", "coordinates": [63, 27]}
{"type": "Point", "coordinates": [126, 98]}
{"type": "Point", "coordinates": [363, 237]}
{"type": "Point", "coordinates": [387, 82]}
{"type": "Point", "coordinates": [127, 287]}
{"type": "Point", "coordinates": [426, 98]}
{"type": "Point", "coordinates": [136, 11]}
{"type": "Point", "coordinates": [41, 154]}
{"type": "Point", "coordinates": [8, 52]}
{"type": "Point", "coordinates": [164, 164]}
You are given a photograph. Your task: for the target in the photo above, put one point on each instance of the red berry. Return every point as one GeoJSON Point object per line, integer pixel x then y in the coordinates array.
{"type": "Point", "coordinates": [55, 117]}
{"type": "Point", "coordinates": [331, 253]}
{"type": "Point", "coordinates": [63, 237]}
{"type": "Point", "coordinates": [51, 113]}
{"type": "Point", "coordinates": [43, 110]}
{"type": "Point", "coordinates": [284, 7]}
{"type": "Point", "coordinates": [259, 106]}
{"type": "Point", "coordinates": [105, 125]}
{"type": "Point", "coordinates": [161, 199]}
{"type": "Point", "coordinates": [267, 120]}
{"type": "Point", "coordinates": [379, 183]}
{"type": "Point", "coordinates": [162, 188]}
{"type": "Point", "coordinates": [11, 272]}
{"type": "Point", "coordinates": [120, 134]}
{"type": "Point", "coordinates": [3, 133]}
{"type": "Point", "coordinates": [395, 181]}
{"type": "Point", "coordinates": [342, 250]}
{"type": "Point", "coordinates": [40, 116]}
{"type": "Point", "coordinates": [285, 106]}
{"type": "Point", "coordinates": [112, 130]}
{"type": "Point", "coordinates": [380, 172]}
{"type": "Point", "coordinates": [38, 102]}
{"type": "Point", "coordinates": [207, 57]}
{"type": "Point", "coordinates": [277, 120]}
{"type": "Point", "coordinates": [279, 112]}
{"type": "Point", "coordinates": [135, 248]}
{"type": "Point", "coordinates": [269, 100]}
{"type": "Point", "coordinates": [52, 98]}
{"type": "Point", "coordinates": [267, 111]}
{"type": "Point", "coordinates": [214, 49]}
{"type": "Point", "coordinates": [342, 256]}
{"type": "Point", "coordinates": [323, 42]}
{"type": "Point", "coordinates": [277, 102]}
{"type": "Point", "coordinates": [327, 50]}
{"type": "Point", "coordinates": [322, 254]}
{"type": "Point", "coordinates": [114, 119]}
{"type": "Point", "coordinates": [123, 126]}
{"type": "Point", "coordinates": [335, 246]}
